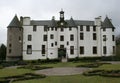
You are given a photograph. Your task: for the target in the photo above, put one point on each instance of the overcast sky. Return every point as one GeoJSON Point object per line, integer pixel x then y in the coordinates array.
{"type": "Point", "coordinates": [45, 9]}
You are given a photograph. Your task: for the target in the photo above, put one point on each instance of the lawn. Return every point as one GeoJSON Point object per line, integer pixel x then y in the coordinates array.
{"type": "Point", "coordinates": [64, 79]}
{"type": "Point", "coordinates": [67, 64]}
{"type": "Point", "coordinates": [12, 72]}
{"type": "Point", "coordinates": [73, 79]}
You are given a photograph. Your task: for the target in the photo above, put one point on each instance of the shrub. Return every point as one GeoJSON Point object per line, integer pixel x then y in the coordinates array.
{"type": "Point", "coordinates": [93, 72]}
{"type": "Point", "coordinates": [26, 76]}
{"type": "Point", "coordinates": [111, 73]}
{"type": "Point", "coordinates": [4, 81]}
{"type": "Point", "coordinates": [105, 73]}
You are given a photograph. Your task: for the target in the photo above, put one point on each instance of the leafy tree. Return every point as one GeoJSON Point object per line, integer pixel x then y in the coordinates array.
{"type": "Point", "coordinates": [2, 52]}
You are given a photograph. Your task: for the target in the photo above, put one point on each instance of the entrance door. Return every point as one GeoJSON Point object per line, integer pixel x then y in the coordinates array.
{"type": "Point", "coordinates": [62, 53]}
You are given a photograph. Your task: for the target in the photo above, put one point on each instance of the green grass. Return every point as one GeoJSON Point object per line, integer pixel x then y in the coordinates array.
{"type": "Point", "coordinates": [73, 79]}
{"type": "Point", "coordinates": [64, 79]}
{"type": "Point", "coordinates": [12, 72]}
{"type": "Point", "coordinates": [109, 67]}
{"type": "Point", "coordinates": [67, 64]}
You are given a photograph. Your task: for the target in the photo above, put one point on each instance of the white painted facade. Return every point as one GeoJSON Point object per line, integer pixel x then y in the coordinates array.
{"type": "Point", "coordinates": [88, 46]}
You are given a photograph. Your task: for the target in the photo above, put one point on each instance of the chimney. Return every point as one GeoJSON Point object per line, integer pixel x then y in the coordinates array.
{"type": "Point", "coordinates": [98, 21]}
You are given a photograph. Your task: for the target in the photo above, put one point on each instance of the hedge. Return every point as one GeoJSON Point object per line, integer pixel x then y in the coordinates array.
{"type": "Point", "coordinates": [26, 76]}
{"type": "Point", "coordinates": [105, 73]}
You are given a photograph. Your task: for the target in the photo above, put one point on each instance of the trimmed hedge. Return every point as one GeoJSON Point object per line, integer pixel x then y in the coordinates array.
{"type": "Point", "coordinates": [26, 76]}
{"type": "Point", "coordinates": [33, 67]}
{"type": "Point", "coordinates": [92, 65]}
{"type": "Point", "coordinates": [4, 81]}
{"type": "Point", "coordinates": [94, 59]}
{"type": "Point", "coordinates": [105, 73]}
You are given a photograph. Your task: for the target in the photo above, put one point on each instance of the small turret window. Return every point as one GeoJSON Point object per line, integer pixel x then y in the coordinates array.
{"type": "Point", "coordinates": [29, 49]}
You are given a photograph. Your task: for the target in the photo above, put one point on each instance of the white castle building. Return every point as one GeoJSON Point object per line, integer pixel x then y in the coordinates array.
{"type": "Point", "coordinates": [41, 39]}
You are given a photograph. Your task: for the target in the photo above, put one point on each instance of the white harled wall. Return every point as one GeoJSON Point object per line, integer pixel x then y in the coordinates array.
{"type": "Point", "coordinates": [52, 52]}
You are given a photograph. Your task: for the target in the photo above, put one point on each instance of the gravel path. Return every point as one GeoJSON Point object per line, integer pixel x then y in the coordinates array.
{"type": "Point", "coordinates": [62, 71]}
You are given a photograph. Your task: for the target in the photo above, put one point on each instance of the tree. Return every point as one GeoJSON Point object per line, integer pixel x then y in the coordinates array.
{"type": "Point", "coordinates": [2, 52]}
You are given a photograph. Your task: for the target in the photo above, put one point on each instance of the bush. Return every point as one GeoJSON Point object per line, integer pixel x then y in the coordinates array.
{"type": "Point", "coordinates": [92, 65]}
{"type": "Point", "coordinates": [111, 73]}
{"type": "Point", "coordinates": [26, 76]}
{"type": "Point", "coordinates": [4, 81]}
{"type": "Point", "coordinates": [33, 67]}
{"type": "Point", "coordinates": [105, 73]}
{"type": "Point", "coordinates": [93, 72]}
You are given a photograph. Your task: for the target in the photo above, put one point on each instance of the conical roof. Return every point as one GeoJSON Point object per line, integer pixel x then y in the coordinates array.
{"type": "Point", "coordinates": [107, 23]}
{"type": "Point", "coordinates": [15, 22]}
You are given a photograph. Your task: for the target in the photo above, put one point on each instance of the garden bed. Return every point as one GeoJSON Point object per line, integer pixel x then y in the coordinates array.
{"type": "Point", "coordinates": [33, 67]}
{"type": "Point", "coordinates": [92, 65]}
{"type": "Point", "coordinates": [26, 76]}
{"type": "Point", "coordinates": [105, 73]}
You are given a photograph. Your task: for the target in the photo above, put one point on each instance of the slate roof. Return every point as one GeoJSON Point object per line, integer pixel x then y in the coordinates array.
{"type": "Point", "coordinates": [15, 22]}
{"type": "Point", "coordinates": [70, 22]}
{"type": "Point", "coordinates": [107, 23]}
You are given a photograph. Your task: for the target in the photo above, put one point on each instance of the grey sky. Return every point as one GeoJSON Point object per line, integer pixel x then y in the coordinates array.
{"type": "Point", "coordinates": [45, 9]}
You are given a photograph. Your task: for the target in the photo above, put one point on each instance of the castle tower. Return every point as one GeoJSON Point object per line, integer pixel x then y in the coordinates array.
{"type": "Point", "coordinates": [14, 40]}
{"type": "Point", "coordinates": [108, 38]}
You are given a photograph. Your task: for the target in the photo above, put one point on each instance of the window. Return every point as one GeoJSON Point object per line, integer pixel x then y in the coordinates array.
{"type": "Point", "coordinates": [70, 28]}
{"type": "Point", "coordinates": [52, 44]}
{"type": "Point", "coordinates": [81, 50]}
{"type": "Point", "coordinates": [113, 38]}
{"type": "Point", "coordinates": [52, 28]}
{"type": "Point", "coordinates": [81, 36]}
{"type": "Point", "coordinates": [113, 29]}
{"type": "Point", "coordinates": [67, 43]}
{"type": "Point", "coordinates": [51, 36]}
{"type": "Point", "coordinates": [104, 38]}
{"type": "Point", "coordinates": [104, 29]}
{"type": "Point", "coordinates": [29, 37]}
{"type": "Point", "coordinates": [10, 45]}
{"type": "Point", "coordinates": [61, 46]}
{"type": "Point", "coordinates": [44, 37]}
{"type": "Point", "coordinates": [71, 37]}
{"type": "Point", "coordinates": [81, 28]}
{"type": "Point", "coordinates": [19, 38]}
{"type": "Point", "coordinates": [45, 27]}
{"type": "Point", "coordinates": [87, 28]}
{"type": "Point", "coordinates": [43, 49]}
{"type": "Point", "coordinates": [94, 28]}
{"type": "Point", "coordinates": [94, 36]}
{"type": "Point", "coordinates": [10, 50]}
{"type": "Point", "coordinates": [113, 49]}
{"type": "Point", "coordinates": [94, 50]}
{"type": "Point", "coordinates": [29, 49]}
{"type": "Point", "coordinates": [62, 29]}
{"type": "Point", "coordinates": [48, 28]}
{"type": "Point", "coordinates": [55, 43]}
{"type": "Point", "coordinates": [71, 49]}
{"type": "Point", "coordinates": [34, 28]}
{"type": "Point", "coordinates": [104, 50]}
{"type": "Point", "coordinates": [61, 38]}
{"type": "Point", "coordinates": [55, 28]}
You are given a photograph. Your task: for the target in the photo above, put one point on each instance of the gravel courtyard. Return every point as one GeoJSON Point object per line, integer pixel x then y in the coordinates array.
{"type": "Point", "coordinates": [62, 71]}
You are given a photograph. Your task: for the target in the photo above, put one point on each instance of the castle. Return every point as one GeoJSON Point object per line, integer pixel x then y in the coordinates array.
{"type": "Point", "coordinates": [41, 39]}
